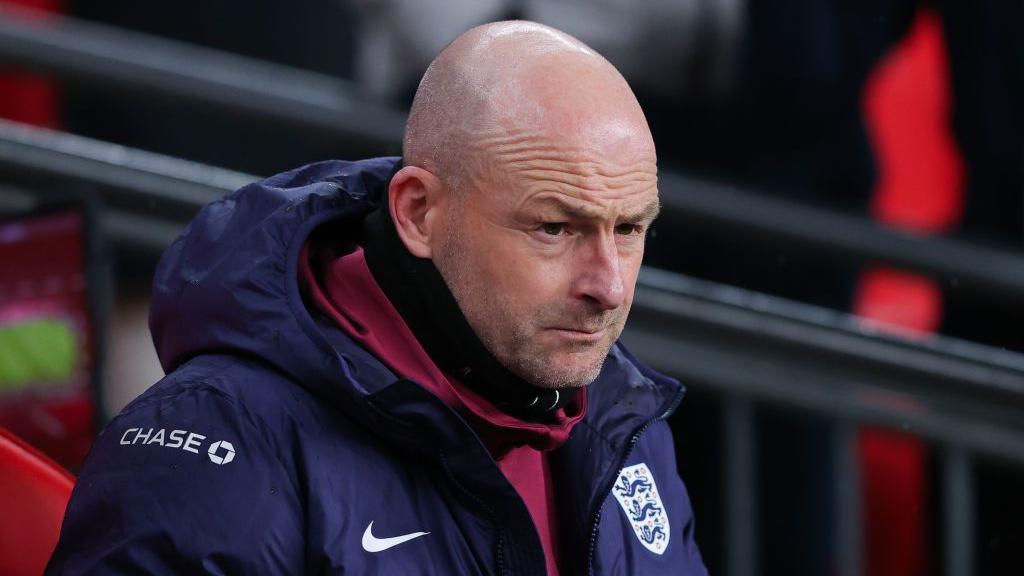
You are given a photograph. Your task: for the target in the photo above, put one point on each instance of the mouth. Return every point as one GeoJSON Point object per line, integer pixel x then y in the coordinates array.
{"type": "Point", "coordinates": [584, 335]}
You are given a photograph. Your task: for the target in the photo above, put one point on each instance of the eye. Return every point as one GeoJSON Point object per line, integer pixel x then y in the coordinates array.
{"type": "Point", "coordinates": [626, 229]}
{"type": "Point", "coordinates": [553, 228]}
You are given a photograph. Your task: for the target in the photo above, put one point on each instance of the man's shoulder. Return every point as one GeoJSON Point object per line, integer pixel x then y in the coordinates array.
{"type": "Point", "coordinates": [254, 388]}
{"type": "Point", "coordinates": [235, 378]}
{"type": "Point", "coordinates": [179, 468]}
{"type": "Point", "coordinates": [240, 401]}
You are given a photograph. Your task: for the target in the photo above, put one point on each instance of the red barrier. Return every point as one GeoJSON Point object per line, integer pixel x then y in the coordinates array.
{"type": "Point", "coordinates": [34, 491]}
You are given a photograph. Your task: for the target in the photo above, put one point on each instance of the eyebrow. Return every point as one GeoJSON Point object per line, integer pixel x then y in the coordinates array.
{"type": "Point", "coordinates": [648, 213]}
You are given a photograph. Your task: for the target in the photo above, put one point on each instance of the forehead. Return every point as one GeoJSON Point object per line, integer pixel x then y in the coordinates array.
{"type": "Point", "coordinates": [530, 169]}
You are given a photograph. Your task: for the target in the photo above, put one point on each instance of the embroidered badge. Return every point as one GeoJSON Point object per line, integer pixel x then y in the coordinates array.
{"type": "Point", "coordinates": [638, 495]}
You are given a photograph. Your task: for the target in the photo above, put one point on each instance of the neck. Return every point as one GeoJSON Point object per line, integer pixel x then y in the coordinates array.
{"type": "Point", "coordinates": [418, 291]}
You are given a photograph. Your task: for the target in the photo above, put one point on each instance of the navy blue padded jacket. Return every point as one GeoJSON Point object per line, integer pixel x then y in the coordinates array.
{"type": "Point", "coordinates": [275, 441]}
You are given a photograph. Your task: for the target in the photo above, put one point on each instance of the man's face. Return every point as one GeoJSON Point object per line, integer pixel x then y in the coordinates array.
{"type": "Point", "coordinates": [542, 253]}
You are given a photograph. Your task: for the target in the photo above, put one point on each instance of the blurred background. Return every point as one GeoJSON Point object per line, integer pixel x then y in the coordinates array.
{"type": "Point", "coordinates": [838, 274]}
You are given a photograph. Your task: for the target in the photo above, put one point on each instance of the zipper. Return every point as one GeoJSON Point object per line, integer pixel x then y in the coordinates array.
{"type": "Point", "coordinates": [596, 517]}
{"type": "Point", "coordinates": [499, 532]}
{"type": "Point", "coordinates": [442, 458]}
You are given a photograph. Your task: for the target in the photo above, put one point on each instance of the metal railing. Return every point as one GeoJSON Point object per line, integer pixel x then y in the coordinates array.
{"type": "Point", "coordinates": [119, 60]}
{"type": "Point", "coordinates": [750, 348]}
{"type": "Point", "coordinates": [133, 185]}
{"type": "Point", "coordinates": [146, 197]}
{"type": "Point", "coordinates": [965, 399]}
{"type": "Point", "coordinates": [129, 62]}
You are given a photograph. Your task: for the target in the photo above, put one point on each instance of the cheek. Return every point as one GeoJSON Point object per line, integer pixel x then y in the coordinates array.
{"type": "Point", "coordinates": [523, 282]}
{"type": "Point", "coordinates": [514, 272]}
{"type": "Point", "coordinates": [544, 281]}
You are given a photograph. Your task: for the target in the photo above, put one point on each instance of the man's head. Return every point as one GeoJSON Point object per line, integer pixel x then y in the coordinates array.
{"type": "Point", "coordinates": [530, 180]}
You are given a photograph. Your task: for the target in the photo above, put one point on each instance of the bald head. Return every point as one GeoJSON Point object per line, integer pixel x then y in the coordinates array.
{"type": "Point", "coordinates": [556, 181]}
{"type": "Point", "coordinates": [516, 85]}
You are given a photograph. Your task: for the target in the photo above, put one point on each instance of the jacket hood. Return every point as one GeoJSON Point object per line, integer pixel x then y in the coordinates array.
{"type": "Point", "coordinates": [229, 283]}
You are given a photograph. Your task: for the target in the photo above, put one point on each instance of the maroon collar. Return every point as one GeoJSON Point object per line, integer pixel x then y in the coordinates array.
{"type": "Point", "coordinates": [340, 285]}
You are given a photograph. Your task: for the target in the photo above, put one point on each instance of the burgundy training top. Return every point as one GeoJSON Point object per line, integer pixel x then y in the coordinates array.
{"type": "Point", "coordinates": [347, 292]}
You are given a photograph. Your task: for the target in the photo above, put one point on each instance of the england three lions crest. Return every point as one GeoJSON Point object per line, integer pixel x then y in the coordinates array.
{"type": "Point", "coordinates": [638, 495]}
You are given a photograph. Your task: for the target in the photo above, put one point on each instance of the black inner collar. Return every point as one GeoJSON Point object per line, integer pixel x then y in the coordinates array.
{"type": "Point", "coordinates": [418, 291]}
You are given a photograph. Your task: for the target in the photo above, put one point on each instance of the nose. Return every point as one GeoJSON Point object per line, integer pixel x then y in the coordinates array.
{"type": "Point", "coordinates": [599, 275]}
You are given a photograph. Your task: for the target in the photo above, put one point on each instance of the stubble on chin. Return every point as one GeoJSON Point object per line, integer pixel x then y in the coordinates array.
{"type": "Point", "coordinates": [559, 368]}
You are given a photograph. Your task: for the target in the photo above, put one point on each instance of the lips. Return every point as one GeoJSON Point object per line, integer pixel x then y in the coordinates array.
{"type": "Point", "coordinates": [581, 335]}
{"type": "Point", "coordinates": [582, 330]}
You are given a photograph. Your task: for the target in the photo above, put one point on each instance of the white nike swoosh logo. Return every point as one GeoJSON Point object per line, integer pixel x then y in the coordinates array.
{"type": "Point", "coordinates": [373, 544]}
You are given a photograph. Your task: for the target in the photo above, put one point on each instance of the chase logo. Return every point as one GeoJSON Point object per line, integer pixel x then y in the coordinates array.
{"type": "Point", "coordinates": [220, 452]}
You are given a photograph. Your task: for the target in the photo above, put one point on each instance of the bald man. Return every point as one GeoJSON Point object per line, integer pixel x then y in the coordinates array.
{"type": "Point", "coordinates": [411, 366]}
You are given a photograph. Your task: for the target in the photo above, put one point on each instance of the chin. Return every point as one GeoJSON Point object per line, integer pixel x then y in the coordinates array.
{"type": "Point", "coordinates": [560, 373]}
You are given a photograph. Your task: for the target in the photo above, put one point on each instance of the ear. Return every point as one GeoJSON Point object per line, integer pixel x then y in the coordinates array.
{"type": "Point", "coordinates": [415, 198]}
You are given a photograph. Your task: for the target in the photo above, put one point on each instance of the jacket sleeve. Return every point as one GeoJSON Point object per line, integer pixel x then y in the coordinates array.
{"type": "Point", "coordinates": [184, 482]}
